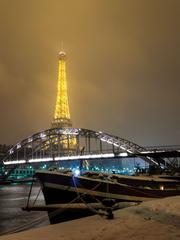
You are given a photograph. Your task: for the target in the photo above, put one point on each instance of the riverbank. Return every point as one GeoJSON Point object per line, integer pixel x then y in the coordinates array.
{"type": "Point", "coordinates": [157, 219]}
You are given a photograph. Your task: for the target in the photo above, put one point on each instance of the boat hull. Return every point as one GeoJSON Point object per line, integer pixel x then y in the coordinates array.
{"type": "Point", "coordinates": [63, 188]}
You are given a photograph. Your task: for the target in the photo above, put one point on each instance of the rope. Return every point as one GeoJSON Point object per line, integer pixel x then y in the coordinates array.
{"type": "Point", "coordinates": [57, 211]}
{"type": "Point", "coordinates": [29, 195]}
{"type": "Point", "coordinates": [90, 208]}
{"type": "Point", "coordinates": [37, 196]}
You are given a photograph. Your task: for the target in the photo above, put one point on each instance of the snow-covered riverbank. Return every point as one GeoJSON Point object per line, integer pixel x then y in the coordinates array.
{"type": "Point", "coordinates": [157, 219]}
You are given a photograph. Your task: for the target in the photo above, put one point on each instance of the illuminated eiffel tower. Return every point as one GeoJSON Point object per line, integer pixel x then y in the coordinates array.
{"type": "Point", "coordinates": [62, 114]}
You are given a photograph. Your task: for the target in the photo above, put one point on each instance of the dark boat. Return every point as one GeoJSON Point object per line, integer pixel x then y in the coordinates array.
{"type": "Point", "coordinates": [63, 187]}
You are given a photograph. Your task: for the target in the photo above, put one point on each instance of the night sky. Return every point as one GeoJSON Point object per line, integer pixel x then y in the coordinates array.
{"type": "Point", "coordinates": [123, 67]}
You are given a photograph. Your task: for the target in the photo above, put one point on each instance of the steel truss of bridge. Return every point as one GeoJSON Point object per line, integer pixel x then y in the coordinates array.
{"type": "Point", "coordinates": [74, 144]}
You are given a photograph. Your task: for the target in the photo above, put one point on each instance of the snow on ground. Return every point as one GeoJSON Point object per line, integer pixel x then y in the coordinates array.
{"type": "Point", "coordinates": [157, 219]}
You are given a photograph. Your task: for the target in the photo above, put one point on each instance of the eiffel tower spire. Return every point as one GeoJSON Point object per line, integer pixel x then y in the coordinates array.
{"type": "Point", "coordinates": [62, 114]}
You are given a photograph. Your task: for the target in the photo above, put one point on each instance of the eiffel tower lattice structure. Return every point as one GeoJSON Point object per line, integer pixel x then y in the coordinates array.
{"type": "Point", "coordinates": [62, 114]}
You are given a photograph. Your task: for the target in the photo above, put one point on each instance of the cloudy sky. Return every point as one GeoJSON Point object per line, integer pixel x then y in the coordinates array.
{"type": "Point", "coordinates": [123, 67]}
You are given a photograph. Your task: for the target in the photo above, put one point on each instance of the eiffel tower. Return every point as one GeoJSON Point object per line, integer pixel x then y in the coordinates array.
{"type": "Point", "coordinates": [62, 115]}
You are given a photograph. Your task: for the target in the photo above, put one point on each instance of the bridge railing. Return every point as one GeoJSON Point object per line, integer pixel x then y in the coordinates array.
{"type": "Point", "coordinates": [163, 148]}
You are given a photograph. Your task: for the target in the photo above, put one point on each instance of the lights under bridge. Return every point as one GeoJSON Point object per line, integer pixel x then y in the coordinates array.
{"type": "Point", "coordinates": [78, 157]}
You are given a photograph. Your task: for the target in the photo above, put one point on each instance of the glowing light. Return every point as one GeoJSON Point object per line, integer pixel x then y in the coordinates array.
{"type": "Point", "coordinates": [76, 172]}
{"type": "Point", "coordinates": [70, 131]}
{"type": "Point", "coordinates": [122, 147]}
{"type": "Point", "coordinates": [110, 141]}
{"type": "Point", "coordinates": [93, 156]}
{"type": "Point", "coordinates": [18, 146]}
{"type": "Point", "coordinates": [30, 139]}
{"type": "Point", "coordinates": [145, 152]}
{"type": "Point", "coordinates": [42, 135]}
{"type": "Point", "coordinates": [152, 160]}
{"type": "Point", "coordinates": [129, 151]}
{"type": "Point", "coordinates": [124, 154]}
{"type": "Point", "coordinates": [15, 162]}
{"type": "Point", "coordinates": [116, 144]}
{"type": "Point", "coordinates": [40, 160]}
{"type": "Point", "coordinates": [11, 151]}
{"type": "Point", "coordinates": [62, 114]}
{"type": "Point", "coordinates": [103, 139]}
{"type": "Point", "coordinates": [62, 107]}
{"type": "Point", "coordinates": [75, 157]}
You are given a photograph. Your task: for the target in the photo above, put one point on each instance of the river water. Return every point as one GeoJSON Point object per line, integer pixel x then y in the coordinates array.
{"type": "Point", "coordinates": [12, 217]}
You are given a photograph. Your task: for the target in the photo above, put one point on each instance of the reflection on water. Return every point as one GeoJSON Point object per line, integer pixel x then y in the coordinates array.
{"type": "Point", "coordinates": [12, 198]}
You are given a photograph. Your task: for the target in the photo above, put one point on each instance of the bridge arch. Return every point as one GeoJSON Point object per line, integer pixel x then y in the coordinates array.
{"type": "Point", "coordinates": [47, 145]}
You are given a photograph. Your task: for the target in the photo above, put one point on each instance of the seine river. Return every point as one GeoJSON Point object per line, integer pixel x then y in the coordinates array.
{"type": "Point", "coordinates": [12, 218]}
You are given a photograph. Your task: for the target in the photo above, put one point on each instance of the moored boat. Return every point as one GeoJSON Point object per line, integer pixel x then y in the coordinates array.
{"type": "Point", "coordinates": [63, 187]}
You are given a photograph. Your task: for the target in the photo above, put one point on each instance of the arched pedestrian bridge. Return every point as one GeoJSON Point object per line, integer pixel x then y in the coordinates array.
{"type": "Point", "coordinates": [58, 144]}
